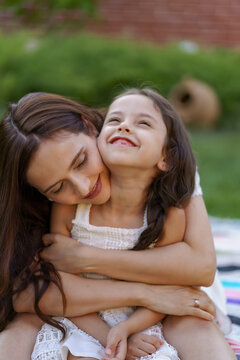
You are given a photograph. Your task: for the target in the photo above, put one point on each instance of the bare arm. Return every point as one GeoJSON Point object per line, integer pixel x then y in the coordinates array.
{"type": "Point", "coordinates": [142, 319]}
{"type": "Point", "coordinates": [61, 223]}
{"type": "Point", "coordinates": [173, 264]}
{"type": "Point", "coordinates": [117, 337]}
{"type": "Point", "coordinates": [172, 300]}
{"type": "Point", "coordinates": [18, 339]}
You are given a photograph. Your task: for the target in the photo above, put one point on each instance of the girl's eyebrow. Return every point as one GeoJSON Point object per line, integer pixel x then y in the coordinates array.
{"type": "Point", "coordinates": [139, 115]}
{"type": "Point", "coordinates": [147, 116]}
{"type": "Point", "coordinates": [115, 113]}
{"type": "Point", "coordinates": [70, 166]}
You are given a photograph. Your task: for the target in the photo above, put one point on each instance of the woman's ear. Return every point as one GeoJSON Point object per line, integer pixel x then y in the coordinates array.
{"type": "Point", "coordinates": [94, 131]}
{"type": "Point", "coordinates": [91, 127]}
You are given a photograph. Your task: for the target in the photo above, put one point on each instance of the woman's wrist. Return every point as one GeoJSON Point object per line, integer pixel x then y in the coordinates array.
{"type": "Point", "coordinates": [89, 259]}
{"type": "Point", "coordinates": [82, 259]}
{"type": "Point", "coordinates": [143, 295]}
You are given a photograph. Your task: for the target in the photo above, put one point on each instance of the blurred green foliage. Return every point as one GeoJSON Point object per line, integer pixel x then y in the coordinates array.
{"type": "Point", "coordinates": [217, 155]}
{"type": "Point", "coordinates": [19, 5]}
{"type": "Point", "coordinates": [35, 12]}
{"type": "Point", "coordinates": [93, 69]}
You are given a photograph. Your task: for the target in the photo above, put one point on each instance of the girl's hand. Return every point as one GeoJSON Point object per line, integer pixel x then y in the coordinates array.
{"type": "Point", "coordinates": [116, 347]}
{"type": "Point", "coordinates": [179, 300]}
{"type": "Point", "coordinates": [140, 344]}
{"type": "Point", "coordinates": [65, 253]}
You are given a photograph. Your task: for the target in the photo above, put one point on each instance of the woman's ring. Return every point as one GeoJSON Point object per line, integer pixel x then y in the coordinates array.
{"type": "Point", "coordinates": [196, 303]}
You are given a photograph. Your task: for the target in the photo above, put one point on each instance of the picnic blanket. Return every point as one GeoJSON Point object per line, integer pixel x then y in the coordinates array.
{"type": "Point", "coordinates": [226, 235]}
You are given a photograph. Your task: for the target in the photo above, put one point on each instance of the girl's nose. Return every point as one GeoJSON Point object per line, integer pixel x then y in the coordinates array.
{"type": "Point", "coordinates": [125, 128]}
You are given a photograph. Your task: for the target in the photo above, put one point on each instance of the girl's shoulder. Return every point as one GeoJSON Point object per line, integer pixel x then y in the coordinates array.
{"type": "Point", "coordinates": [197, 189]}
{"type": "Point", "coordinates": [61, 218]}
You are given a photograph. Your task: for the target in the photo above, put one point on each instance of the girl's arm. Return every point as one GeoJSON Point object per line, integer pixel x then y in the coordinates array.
{"type": "Point", "coordinates": [173, 264]}
{"type": "Point", "coordinates": [61, 223]}
{"type": "Point", "coordinates": [143, 318]}
{"type": "Point", "coordinates": [117, 337]}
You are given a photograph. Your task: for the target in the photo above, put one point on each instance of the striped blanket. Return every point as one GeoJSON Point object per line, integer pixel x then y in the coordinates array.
{"type": "Point", "coordinates": [226, 235]}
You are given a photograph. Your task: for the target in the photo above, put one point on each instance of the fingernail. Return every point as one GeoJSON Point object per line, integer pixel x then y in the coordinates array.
{"type": "Point", "coordinates": [108, 351]}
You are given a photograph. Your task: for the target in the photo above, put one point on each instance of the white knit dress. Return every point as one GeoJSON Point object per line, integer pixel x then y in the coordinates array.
{"type": "Point", "coordinates": [77, 342]}
{"type": "Point", "coordinates": [48, 345]}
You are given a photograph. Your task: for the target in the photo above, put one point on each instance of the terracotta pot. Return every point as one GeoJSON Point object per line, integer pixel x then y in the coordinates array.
{"type": "Point", "coordinates": [196, 103]}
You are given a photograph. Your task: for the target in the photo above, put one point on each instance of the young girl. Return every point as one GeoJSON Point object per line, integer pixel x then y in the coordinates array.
{"type": "Point", "coordinates": [96, 184]}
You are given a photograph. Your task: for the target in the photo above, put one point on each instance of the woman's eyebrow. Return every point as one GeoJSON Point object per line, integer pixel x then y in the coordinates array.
{"type": "Point", "coordinates": [76, 157]}
{"type": "Point", "coordinates": [71, 165]}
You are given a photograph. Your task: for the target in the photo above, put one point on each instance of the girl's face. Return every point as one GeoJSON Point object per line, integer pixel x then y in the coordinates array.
{"type": "Point", "coordinates": [68, 169]}
{"type": "Point", "coordinates": [133, 134]}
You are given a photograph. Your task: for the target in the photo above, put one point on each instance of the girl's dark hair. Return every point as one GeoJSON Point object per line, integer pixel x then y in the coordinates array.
{"type": "Point", "coordinates": [24, 212]}
{"type": "Point", "coordinates": [175, 186]}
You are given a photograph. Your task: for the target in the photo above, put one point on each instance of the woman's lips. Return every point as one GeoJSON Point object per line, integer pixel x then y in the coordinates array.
{"type": "Point", "coordinates": [122, 141]}
{"type": "Point", "coordinates": [95, 190]}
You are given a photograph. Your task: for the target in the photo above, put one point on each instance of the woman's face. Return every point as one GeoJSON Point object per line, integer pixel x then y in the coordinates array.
{"type": "Point", "coordinates": [68, 169]}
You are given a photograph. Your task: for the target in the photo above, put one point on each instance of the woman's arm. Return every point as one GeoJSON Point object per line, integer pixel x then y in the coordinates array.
{"type": "Point", "coordinates": [173, 264]}
{"type": "Point", "coordinates": [86, 296]}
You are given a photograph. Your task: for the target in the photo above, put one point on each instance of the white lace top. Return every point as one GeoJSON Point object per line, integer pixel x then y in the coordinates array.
{"type": "Point", "coordinates": [108, 237]}
{"type": "Point", "coordinates": [197, 189]}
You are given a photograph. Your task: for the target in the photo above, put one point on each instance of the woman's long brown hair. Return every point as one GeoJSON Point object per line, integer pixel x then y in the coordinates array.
{"type": "Point", "coordinates": [175, 186]}
{"type": "Point", "coordinates": [24, 212]}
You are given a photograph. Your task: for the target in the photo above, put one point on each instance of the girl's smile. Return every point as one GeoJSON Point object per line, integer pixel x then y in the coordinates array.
{"type": "Point", "coordinates": [122, 141]}
{"type": "Point", "coordinates": [133, 134]}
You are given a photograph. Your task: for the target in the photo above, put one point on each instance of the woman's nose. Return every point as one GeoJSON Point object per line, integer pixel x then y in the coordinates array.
{"type": "Point", "coordinates": [81, 185]}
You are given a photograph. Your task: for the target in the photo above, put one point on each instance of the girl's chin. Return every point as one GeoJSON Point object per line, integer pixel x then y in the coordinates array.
{"type": "Point", "coordinates": [99, 200]}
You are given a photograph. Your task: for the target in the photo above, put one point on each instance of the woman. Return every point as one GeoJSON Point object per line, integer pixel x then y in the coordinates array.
{"type": "Point", "coordinates": [19, 148]}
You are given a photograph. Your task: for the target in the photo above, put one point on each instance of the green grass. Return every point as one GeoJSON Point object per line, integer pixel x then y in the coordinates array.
{"type": "Point", "coordinates": [219, 166]}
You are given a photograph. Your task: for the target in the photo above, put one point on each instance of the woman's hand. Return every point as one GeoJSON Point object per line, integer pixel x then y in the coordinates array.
{"type": "Point", "coordinates": [179, 300]}
{"type": "Point", "coordinates": [65, 253]}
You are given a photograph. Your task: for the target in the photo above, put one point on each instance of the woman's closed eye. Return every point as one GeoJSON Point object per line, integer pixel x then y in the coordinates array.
{"type": "Point", "coordinates": [56, 191]}
{"type": "Point", "coordinates": [81, 162]}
